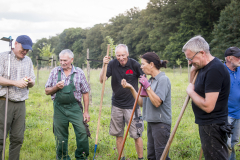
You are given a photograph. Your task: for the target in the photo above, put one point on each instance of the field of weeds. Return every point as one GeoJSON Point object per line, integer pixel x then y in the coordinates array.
{"type": "Point", "coordinates": [39, 142]}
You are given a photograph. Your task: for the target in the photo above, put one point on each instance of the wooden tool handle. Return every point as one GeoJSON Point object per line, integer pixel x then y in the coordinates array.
{"type": "Point", "coordinates": [165, 152]}
{"type": "Point", "coordinates": [102, 93]}
{"type": "Point", "coordinates": [130, 121]}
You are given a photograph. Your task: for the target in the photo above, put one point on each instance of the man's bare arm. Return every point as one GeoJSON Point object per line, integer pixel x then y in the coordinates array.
{"type": "Point", "coordinates": [52, 90]}
{"type": "Point", "coordinates": [86, 106]}
{"type": "Point", "coordinates": [105, 61]}
{"type": "Point", "coordinates": [208, 103]}
{"type": "Point", "coordinates": [6, 82]}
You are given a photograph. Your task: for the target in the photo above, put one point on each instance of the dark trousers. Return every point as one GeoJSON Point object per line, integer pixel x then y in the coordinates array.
{"type": "Point", "coordinates": [15, 127]}
{"type": "Point", "coordinates": [158, 134]}
{"type": "Point", "coordinates": [214, 142]}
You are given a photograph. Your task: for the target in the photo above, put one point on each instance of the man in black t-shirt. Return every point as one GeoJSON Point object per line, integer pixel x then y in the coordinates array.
{"type": "Point", "coordinates": [122, 100]}
{"type": "Point", "coordinates": [209, 97]}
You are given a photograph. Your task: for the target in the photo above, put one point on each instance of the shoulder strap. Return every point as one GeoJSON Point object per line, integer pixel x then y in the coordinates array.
{"type": "Point", "coordinates": [137, 118]}
{"type": "Point", "coordinates": [72, 76]}
{"type": "Point", "coordinates": [59, 75]}
{"type": "Point", "coordinates": [71, 80]}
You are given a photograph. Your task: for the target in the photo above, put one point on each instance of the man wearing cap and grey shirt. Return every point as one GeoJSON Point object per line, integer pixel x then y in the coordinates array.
{"type": "Point", "coordinates": [21, 78]}
{"type": "Point", "coordinates": [232, 63]}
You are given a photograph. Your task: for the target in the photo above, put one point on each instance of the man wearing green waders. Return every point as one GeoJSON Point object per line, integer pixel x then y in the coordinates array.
{"type": "Point", "coordinates": [67, 85]}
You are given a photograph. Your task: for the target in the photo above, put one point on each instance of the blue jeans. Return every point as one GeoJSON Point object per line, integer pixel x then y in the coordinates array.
{"type": "Point", "coordinates": [234, 139]}
{"type": "Point", "coordinates": [214, 142]}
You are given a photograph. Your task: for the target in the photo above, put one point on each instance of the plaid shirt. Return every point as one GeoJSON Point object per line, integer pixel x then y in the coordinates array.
{"type": "Point", "coordinates": [79, 80]}
{"type": "Point", "coordinates": [18, 70]}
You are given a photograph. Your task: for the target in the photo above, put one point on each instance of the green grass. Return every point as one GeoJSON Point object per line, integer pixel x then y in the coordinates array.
{"type": "Point", "coordinates": [39, 142]}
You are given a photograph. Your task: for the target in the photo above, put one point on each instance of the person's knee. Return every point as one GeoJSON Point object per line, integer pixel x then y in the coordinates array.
{"type": "Point", "coordinates": [16, 140]}
{"type": "Point", "coordinates": [139, 142]}
{"type": "Point", "coordinates": [139, 139]}
{"type": "Point", "coordinates": [119, 139]}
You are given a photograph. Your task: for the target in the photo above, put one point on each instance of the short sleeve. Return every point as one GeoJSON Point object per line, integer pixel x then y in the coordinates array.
{"type": "Point", "coordinates": [162, 88]}
{"type": "Point", "coordinates": [50, 80]}
{"type": "Point", "coordinates": [1, 66]}
{"type": "Point", "coordinates": [138, 70]}
{"type": "Point", "coordinates": [109, 69]}
{"type": "Point", "coordinates": [84, 87]}
{"type": "Point", "coordinates": [32, 75]}
{"type": "Point", "coordinates": [214, 80]}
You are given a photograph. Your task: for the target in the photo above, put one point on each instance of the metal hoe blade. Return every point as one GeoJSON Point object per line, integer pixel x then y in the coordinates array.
{"type": "Point", "coordinates": [9, 39]}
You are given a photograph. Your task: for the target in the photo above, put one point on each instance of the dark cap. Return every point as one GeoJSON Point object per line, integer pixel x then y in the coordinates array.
{"type": "Point", "coordinates": [25, 41]}
{"type": "Point", "coordinates": [232, 51]}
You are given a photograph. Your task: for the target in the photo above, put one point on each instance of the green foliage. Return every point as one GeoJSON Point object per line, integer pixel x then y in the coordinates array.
{"type": "Point", "coordinates": [163, 27]}
{"type": "Point", "coordinates": [163, 20]}
{"type": "Point", "coordinates": [97, 44]}
{"type": "Point", "coordinates": [227, 32]}
{"type": "Point", "coordinates": [46, 51]}
{"type": "Point", "coordinates": [39, 142]}
{"type": "Point", "coordinates": [112, 46]}
{"type": "Point", "coordinates": [38, 45]}
{"type": "Point", "coordinates": [178, 61]}
{"type": "Point", "coordinates": [52, 41]}
{"type": "Point", "coordinates": [173, 50]}
{"type": "Point", "coordinates": [198, 20]}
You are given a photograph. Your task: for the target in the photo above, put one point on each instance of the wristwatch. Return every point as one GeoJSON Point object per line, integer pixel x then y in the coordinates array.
{"type": "Point", "coordinates": [149, 88]}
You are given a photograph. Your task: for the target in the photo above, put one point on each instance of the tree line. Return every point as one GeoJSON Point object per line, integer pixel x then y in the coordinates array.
{"type": "Point", "coordinates": [163, 27]}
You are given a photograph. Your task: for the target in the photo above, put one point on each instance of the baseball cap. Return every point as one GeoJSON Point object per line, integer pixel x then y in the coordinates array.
{"type": "Point", "coordinates": [232, 51]}
{"type": "Point", "coordinates": [25, 41]}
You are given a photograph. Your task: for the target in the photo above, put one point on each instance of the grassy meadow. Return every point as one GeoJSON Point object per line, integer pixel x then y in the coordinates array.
{"type": "Point", "coordinates": [39, 142]}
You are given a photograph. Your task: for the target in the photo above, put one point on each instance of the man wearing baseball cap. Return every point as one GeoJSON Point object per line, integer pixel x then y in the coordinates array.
{"type": "Point", "coordinates": [232, 63]}
{"type": "Point", "coordinates": [21, 79]}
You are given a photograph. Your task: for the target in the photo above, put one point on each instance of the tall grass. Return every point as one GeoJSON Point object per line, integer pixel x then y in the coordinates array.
{"type": "Point", "coordinates": [39, 141]}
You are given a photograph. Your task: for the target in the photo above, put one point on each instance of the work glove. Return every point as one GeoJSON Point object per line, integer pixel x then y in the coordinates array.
{"type": "Point", "coordinates": [227, 128]}
{"type": "Point", "coordinates": [87, 128]}
{"type": "Point", "coordinates": [144, 82]}
{"type": "Point", "coordinates": [143, 93]}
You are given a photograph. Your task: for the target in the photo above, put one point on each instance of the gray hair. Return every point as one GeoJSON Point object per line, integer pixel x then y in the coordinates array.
{"type": "Point", "coordinates": [119, 46]}
{"type": "Point", "coordinates": [67, 51]}
{"type": "Point", "coordinates": [195, 44]}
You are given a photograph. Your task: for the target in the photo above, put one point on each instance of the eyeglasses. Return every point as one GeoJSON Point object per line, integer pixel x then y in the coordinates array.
{"type": "Point", "coordinates": [190, 59]}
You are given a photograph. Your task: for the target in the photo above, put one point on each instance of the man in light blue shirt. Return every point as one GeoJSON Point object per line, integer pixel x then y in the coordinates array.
{"type": "Point", "coordinates": [232, 57]}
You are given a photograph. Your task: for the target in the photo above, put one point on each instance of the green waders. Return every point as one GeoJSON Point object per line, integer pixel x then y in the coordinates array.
{"type": "Point", "coordinates": [66, 109]}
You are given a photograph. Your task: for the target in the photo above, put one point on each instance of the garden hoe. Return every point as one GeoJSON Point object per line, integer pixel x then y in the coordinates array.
{"type": "Point", "coordinates": [100, 108]}
{"type": "Point", "coordinates": [165, 152]}
{"type": "Point", "coordinates": [130, 121]}
{"type": "Point", "coordinates": [9, 39]}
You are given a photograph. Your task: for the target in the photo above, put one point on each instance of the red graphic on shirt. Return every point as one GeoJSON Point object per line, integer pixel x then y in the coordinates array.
{"type": "Point", "coordinates": [129, 71]}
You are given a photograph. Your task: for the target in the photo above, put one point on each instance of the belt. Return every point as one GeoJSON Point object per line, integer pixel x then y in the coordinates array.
{"type": "Point", "coordinates": [3, 98]}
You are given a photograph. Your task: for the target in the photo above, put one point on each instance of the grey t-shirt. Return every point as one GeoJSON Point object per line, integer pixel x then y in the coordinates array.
{"type": "Point", "coordinates": [162, 87]}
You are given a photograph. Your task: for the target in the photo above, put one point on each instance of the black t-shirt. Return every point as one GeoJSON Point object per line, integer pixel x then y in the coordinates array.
{"type": "Point", "coordinates": [214, 77]}
{"type": "Point", "coordinates": [122, 97]}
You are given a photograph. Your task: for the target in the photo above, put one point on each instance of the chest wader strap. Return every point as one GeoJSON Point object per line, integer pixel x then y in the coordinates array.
{"type": "Point", "coordinates": [59, 76]}
{"type": "Point", "coordinates": [59, 79]}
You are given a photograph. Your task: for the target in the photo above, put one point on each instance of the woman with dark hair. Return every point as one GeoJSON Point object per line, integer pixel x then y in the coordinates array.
{"type": "Point", "coordinates": [156, 102]}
